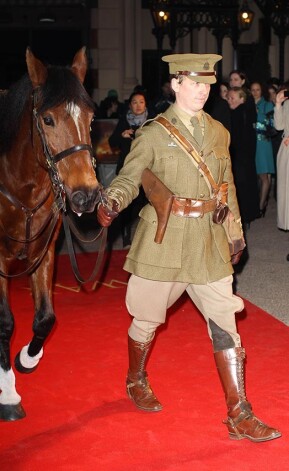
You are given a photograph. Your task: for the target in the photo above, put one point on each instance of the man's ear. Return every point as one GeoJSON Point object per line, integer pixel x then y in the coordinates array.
{"type": "Point", "coordinates": [175, 85]}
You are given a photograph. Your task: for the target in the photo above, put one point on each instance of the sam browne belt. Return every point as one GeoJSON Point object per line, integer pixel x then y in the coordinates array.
{"type": "Point", "coordinates": [165, 203]}
{"type": "Point", "coordinates": [192, 208]}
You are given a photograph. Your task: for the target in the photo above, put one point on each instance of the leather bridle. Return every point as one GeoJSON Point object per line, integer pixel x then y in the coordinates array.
{"type": "Point", "coordinates": [51, 160]}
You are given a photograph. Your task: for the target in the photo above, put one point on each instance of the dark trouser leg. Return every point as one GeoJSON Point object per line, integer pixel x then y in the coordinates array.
{"type": "Point", "coordinates": [138, 387]}
{"type": "Point", "coordinates": [241, 421]}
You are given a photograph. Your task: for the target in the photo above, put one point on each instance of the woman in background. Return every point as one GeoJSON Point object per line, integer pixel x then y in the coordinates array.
{"type": "Point", "coordinates": [264, 150]}
{"type": "Point", "coordinates": [276, 138]}
{"type": "Point", "coordinates": [281, 122]}
{"type": "Point", "coordinates": [220, 109]}
{"type": "Point", "coordinates": [122, 138]}
{"type": "Point", "coordinates": [237, 78]}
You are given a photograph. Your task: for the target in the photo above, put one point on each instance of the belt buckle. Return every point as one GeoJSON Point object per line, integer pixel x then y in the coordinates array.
{"type": "Point", "coordinates": [196, 209]}
{"type": "Point", "coordinates": [196, 215]}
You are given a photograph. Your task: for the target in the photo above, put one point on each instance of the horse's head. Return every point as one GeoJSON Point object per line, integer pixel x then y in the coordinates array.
{"type": "Point", "coordinates": [63, 112]}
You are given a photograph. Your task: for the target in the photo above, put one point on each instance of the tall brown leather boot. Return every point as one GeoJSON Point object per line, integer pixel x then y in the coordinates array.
{"type": "Point", "coordinates": [241, 421]}
{"type": "Point", "coordinates": [137, 384]}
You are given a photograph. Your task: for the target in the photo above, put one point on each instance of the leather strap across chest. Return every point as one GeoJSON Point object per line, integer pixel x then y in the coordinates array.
{"type": "Point", "coordinates": [189, 148]}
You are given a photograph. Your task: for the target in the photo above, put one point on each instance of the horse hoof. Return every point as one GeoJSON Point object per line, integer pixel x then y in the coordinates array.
{"type": "Point", "coordinates": [9, 412]}
{"type": "Point", "coordinates": [19, 367]}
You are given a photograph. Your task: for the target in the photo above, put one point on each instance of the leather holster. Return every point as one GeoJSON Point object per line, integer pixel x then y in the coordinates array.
{"type": "Point", "coordinates": [161, 198]}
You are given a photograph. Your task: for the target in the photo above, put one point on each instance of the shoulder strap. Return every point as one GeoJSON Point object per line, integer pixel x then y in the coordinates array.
{"type": "Point", "coordinates": [188, 147]}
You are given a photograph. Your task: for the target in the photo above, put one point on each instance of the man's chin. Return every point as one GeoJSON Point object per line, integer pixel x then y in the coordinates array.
{"type": "Point", "coordinates": [199, 106]}
{"type": "Point", "coordinates": [200, 103]}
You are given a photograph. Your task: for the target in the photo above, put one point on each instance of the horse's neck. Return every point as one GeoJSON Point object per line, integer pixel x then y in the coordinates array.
{"type": "Point", "coordinates": [24, 173]}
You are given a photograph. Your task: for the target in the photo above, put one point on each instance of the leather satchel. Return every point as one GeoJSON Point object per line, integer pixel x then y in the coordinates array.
{"type": "Point", "coordinates": [236, 244]}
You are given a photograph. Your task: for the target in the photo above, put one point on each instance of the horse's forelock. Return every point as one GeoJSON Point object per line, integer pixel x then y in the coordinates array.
{"type": "Point", "coordinates": [62, 86]}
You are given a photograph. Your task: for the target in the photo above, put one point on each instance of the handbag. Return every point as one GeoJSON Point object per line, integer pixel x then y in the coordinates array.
{"type": "Point", "coordinates": [270, 131]}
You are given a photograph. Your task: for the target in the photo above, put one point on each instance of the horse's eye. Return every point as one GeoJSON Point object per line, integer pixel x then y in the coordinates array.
{"type": "Point", "coordinates": [48, 121]}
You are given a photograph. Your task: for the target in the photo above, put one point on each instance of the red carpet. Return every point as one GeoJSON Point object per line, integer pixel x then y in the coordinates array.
{"type": "Point", "coordinates": [78, 415]}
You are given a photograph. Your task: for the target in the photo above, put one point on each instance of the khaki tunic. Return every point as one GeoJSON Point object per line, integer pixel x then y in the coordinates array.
{"type": "Point", "coordinates": [193, 250]}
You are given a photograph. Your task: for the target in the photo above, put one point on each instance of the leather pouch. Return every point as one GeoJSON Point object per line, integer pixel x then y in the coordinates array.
{"type": "Point", "coordinates": [234, 235]}
{"type": "Point", "coordinates": [220, 214]}
{"type": "Point", "coordinates": [222, 210]}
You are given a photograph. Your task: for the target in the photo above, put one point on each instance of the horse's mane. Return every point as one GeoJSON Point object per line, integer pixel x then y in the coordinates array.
{"type": "Point", "coordinates": [61, 86]}
{"type": "Point", "coordinates": [12, 105]}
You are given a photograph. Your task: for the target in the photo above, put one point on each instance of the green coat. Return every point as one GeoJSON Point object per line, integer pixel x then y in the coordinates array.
{"type": "Point", "coordinates": [193, 250]}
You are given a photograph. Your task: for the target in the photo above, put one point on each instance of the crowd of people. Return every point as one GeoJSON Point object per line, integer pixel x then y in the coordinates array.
{"type": "Point", "coordinates": [255, 114]}
{"type": "Point", "coordinates": [246, 110]}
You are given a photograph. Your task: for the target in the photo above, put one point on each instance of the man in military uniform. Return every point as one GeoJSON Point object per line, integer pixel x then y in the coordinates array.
{"type": "Point", "coordinates": [194, 255]}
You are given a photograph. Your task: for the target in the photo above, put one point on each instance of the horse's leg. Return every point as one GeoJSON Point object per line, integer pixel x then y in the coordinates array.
{"type": "Point", "coordinates": [28, 358]}
{"type": "Point", "coordinates": [10, 401]}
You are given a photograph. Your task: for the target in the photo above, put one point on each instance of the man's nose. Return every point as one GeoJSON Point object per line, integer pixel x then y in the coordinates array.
{"type": "Point", "coordinates": [203, 87]}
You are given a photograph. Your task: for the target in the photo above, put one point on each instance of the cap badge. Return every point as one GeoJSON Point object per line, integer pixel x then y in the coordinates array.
{"type": "Point", "coordinates": [206, 66]}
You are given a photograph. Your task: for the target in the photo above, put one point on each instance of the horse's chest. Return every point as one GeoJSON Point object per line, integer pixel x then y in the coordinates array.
{"type": "Point", "coordinates": [26, 234]}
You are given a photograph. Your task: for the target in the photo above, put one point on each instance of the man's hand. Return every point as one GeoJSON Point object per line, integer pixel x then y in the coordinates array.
{"type": "Point", "coordinates": [236, 250]}
{"type": "Point", "coordinates": [107, 211]}
{"type": "Point", "coordinates": [236, 258]}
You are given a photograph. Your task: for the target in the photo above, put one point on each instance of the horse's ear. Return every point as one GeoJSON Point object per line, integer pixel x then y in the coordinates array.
{"type": "Point", "coordinates": [79, 65]}
{"type": "Point", "coordinates": [36, 70]}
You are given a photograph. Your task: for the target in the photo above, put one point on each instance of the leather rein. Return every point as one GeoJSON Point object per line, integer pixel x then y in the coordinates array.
{"type": "Point", "coordinates": [58, 206]}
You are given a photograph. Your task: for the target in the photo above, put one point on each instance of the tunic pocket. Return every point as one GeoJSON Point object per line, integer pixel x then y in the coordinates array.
{"type": "Point", "coordinates": [144, 250]}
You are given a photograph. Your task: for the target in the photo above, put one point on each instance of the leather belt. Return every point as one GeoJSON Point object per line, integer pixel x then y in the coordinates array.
{"type": "Point", "coordinates": [190, 208]}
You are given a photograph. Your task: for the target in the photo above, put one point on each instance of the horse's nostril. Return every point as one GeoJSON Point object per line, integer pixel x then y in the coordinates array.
{"type": "Point", "coordinates": [79, 199]}
{"type": "Point", "coordinates": [84, 201]}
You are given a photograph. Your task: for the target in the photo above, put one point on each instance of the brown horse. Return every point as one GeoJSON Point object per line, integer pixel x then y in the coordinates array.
{"type": "Point", "coordinates": [45, 161]}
